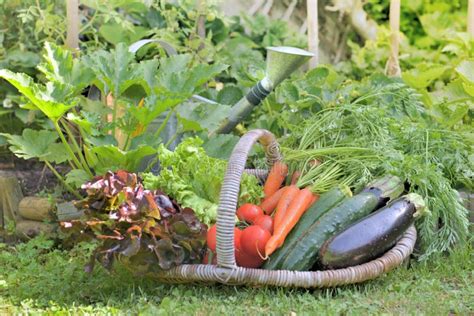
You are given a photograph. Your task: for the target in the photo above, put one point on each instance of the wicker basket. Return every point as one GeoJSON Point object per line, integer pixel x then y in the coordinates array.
{"type": "Point", "coordinates": [226, 271]}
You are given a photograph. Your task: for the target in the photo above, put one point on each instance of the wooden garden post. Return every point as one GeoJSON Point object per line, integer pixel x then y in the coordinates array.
{"type": "Point", "coordinates": [72, 13]}
{"type": "Point", "coordinates": [313, 36]}
{"type": "Point", "coordinates": [470, 17]}
{"type": "Point", "coordinates": [201, 8]}
{"type": "Point", "coordinates": [10, 197]}
{"type": "Point", "coordinates": [392, 68]}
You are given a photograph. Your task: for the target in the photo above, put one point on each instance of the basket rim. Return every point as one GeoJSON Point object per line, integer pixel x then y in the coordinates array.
{"type": "Point", "coordinates": [208, 273]}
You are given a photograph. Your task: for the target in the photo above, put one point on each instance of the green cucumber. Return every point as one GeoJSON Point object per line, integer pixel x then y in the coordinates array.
{"type": "Point", "coordinates": [304, 254]}
{"type": "Point", "coordinates": [327, 201]}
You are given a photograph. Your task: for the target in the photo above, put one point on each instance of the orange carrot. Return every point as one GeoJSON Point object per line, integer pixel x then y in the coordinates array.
{"type": "Point", "coordinates": [287, 197]}
{"type": "Point", "coordinates": [297, 207]}
{"type": "Point", "coordinates": [275, 178]}
{"type": "Point", "coordinates": [294, 178]}
{"type": "Point", "coordinates": [268, 205]}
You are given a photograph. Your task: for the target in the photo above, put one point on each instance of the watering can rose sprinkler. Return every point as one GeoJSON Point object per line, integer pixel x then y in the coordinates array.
{"type": "Point", "coordinates": [282, 61]}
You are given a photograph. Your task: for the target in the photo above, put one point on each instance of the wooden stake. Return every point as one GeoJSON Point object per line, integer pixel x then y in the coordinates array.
{"type": "Point", "coordinates": [392, 68]}
{"type": "Point", "coordinates": [313, 34]}
{"type": "Point", "coordinates": [470, 17]}
{"type": "Point", "coordinates": [72, 13]}
{"type": "Point", "coordinates": [201, 8]}
{"type": "Point", "coordinates": [10, 197]}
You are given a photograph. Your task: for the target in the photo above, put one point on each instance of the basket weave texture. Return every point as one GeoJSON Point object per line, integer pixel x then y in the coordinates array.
{"type": "Point", "coordinates": [227, 272]}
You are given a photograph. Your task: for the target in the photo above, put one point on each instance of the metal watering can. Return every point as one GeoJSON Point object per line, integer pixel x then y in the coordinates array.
{"type": "Point", "coordinates": [282, 61]}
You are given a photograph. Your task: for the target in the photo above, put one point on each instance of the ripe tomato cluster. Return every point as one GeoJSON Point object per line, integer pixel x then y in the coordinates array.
{"type": "Point", "coordinates": [250, 242]}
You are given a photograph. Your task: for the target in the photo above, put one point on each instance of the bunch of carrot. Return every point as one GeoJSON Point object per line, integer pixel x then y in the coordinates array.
{"type": "Point", "coordinates": [287, 204]}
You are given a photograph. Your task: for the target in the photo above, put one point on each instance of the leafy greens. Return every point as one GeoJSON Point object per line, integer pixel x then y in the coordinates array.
{"type": "Point", "coordinates": [194, 179]}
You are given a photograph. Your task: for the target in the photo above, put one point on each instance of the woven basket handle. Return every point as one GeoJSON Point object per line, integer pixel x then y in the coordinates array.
{"type": "Point", "coordinates": [230, 190]}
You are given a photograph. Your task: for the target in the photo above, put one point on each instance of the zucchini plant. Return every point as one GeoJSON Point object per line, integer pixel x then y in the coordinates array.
{"type": "Point", "coordinates": [110, 133]}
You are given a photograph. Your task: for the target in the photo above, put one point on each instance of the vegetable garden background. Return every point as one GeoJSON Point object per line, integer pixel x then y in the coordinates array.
{"type": "Point", "coordinates": [117, 124]}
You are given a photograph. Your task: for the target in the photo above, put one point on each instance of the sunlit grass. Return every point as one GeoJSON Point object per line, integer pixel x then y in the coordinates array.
{"type": "Point", "coordinates": [36, 279]}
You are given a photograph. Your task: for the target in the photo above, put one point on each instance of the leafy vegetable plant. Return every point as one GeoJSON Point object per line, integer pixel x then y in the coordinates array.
{"type": "Point", "coordinates": [145, 229]}
{"type": "Point", "coordinates": [194, 179]}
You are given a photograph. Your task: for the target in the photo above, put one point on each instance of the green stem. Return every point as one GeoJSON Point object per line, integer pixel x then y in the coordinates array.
{"type": "Point", "coordinates": [127, 142]}
{"type": "Point", "coordinates": [269, 108]}
{"type": "Point", "coordinates": [114, 115]}
{"type": "Point", "coordinates": [171, 139]}
{"type": "Point", "coordinates": [151, 163]}
{"type": "Point", "coordinates": [163, 125]}
{"type": "Point", "coordinates": [67, 186]}
{"type": "Point", "coordinates": [77, 148]}
{"type": "Point", "coordinates": [68, 147]}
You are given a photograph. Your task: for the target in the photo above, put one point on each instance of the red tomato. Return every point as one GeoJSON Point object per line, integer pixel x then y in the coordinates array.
{"type": "Point", "coordinates": [237, 238]}
{"type": "Point", "coordinates": [212, 242]}
{"type": "Point", "coordinates": [253, 240]}
{"type": "Point", "coordinates": [247, 261]}
{"type": "Point", "coordinates": [248, 212]}
{"type": "Point", "coordinates": [266, 222]}
{"type": "Point", "coordinates": [211, 238]}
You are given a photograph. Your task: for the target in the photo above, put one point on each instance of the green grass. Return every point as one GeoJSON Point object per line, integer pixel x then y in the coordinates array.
{"type": "Point", "coordinates": [34, 278]}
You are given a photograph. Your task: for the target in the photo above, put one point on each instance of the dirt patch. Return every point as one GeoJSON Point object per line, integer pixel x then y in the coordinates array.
{"type": "Point", "coordinates": [33, 175]}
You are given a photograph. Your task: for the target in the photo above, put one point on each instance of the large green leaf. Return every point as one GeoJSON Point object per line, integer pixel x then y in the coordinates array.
{"type": "Point", "coordinates": [57, 153]}
{"type": "Point", "coordinates": [47, 99]}
{"type": "Point", "coordinates": [109, 157]}
{"type": "Point", "coordinates": [422, 76]}
{"type": "Point", "coordinates": [115, 33]}
{"type": "Point", "coordinates": [229, 95]}
{"type": "Point", "coordinates": [60, 67]}
{"type": "Point", "coordinates": [36, 144]}
{"type": "Point", "coordinates": [116, 70]}
{"type": "Point", "coordinates": [202, 116]}
{"type": "Point", "coordinates": [221, 145]}
{"type": "Point", "coordinates": [153, 106]}
{"type": "Point", "coordinates": [176, 74]}
{"type": "Point", "coordinates": [77, 177]}
{"type": "Point", "coordinates": [466, 70]}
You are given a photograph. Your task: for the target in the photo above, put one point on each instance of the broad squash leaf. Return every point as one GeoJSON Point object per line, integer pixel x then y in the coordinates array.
{"type": "Point", "coordinates": [221, 145]}
{"type": "Point", "coordinates": [77, 177]}
{"type": "Point", "coordinates": [114, 70]}
{"type": "Point", "coordinates": [154, 105]}
{"type": "Point", "coordinates": [114, 33]}
{"type": "Point", "coordinates": [57, 153]}
{"type": "Point", "coordinates": [49, 99]}
{"type": "Point", "coordinates": [60, 67]}
{"type": "Point", "coordinates": [176, 75]}
{"type": "Point", "coordinates": [36, 144]}
{"type": "Point", "coordinates": [109, 157]}
{"type": "Point", "coordinates": [229, 95]}
{"type": "Point", "coordinates": [202, 116]}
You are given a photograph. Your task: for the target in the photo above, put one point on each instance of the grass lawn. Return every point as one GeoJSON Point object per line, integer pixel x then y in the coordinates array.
{"type": "Point", "coordinates": [36, 279]}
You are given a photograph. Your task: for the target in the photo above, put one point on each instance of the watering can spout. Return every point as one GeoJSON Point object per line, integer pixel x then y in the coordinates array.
{"type": "Point", "coordinates": [282, 61]}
